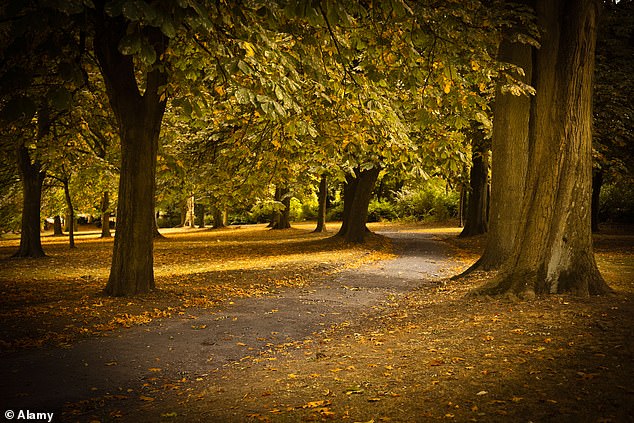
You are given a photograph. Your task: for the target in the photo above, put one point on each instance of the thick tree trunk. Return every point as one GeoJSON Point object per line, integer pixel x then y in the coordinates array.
{"type": "Point", "coordinates": [57, 226]}
{"type": "Point", "coordinates": [349, 190]}
{"type": "Point", "coordinates": [139, 115]}
{"type": "Point", "coordinates": [357, 193]}
{"type": "Point", "coordinates": [105, 215]}
{"type": "Point", "coordinates": [283, 219]}
{"type": "Point", "coordinates": [70, 214]}
{"type": "Point", "coordinates": [597, 183]}
{"type": "Point", "coordinates": [476, 222]}
{"type": "Point", "coordinates": [553, 249]}
{"type": "Point", "coordinates": [32, 179]}
{"type": "Point", "coordinates": [509, 161]}
{"type": "Point", "coordinates": [322, 197]}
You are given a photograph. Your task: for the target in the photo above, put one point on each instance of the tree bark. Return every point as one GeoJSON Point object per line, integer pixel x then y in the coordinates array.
{"type": "Point", "coordinates": [357, 196]}
{"type": "Point", "coordinates": [476, 222]}
{"type": "Point", "coordinates": [219, 217]}
{"type": "Point", "coordinates": [32, 177]}
{"type": "Point", "coordinates": [105, 215]}
{"type": "Point", "coordinates": [597, 183]}
{"type": "Point", "coordinates": [509, 150]}
{"type": "Point", "coordinates": [201, 217]}
{"type": "Point", "coordinates": [190, 213]}
{"type": "Point", "coordinates": [322, 197]}
{"type": "Point", "coordinates": [70, 213]}
{"type": "Point", "coordinates": [57, 226]}
{"type": "Point", "coordinates": [553, 249]}
{"type": "Point", "coordinates": [156, 234]}
{"type": "Point", "coordinates": [139, 116]}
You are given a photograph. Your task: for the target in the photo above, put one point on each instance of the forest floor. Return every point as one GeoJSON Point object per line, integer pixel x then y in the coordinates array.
{"type": "Point", "coordinates": [256, 325]}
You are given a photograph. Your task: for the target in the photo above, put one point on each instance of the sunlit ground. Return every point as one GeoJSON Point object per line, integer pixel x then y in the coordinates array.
{"type": "Point", "coordinates": [57, 298]}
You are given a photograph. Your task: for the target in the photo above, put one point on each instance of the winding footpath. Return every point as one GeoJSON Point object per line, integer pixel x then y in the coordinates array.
{"type": "Point", "coordinates": [201, 341]}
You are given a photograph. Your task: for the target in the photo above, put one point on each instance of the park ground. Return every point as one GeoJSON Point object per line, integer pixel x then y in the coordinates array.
{"type": "Point", "coordinates": [333, 332]}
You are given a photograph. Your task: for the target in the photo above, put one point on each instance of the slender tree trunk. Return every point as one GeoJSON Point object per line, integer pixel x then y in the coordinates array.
{"type": "Point", "coordinates": [509, 161]}
{"type": "Point", "coordinates": [71, 214]}
{"type": "Point", "coordinates": [190, 214]}
{"type": "Point", "coordinates": [597, 183]}
{"type": "Point", "coordinates": [553, 249]}
{"type": "Point", "coordinates": [139, 115]}
{"type": "Point", "coordinates": [322, 196]}
{"type": "Point", "coordinates": [57, 226]}
{"type": "Point", "coordinates": [32, 177]}
{"type": "Point", "coordinates": [156, 234]}
{"type": "Point", "coordinates": [462, 207]}
{"type": "Point", "coordinates": [476, 220]}
{"type": "Point", "coordinates": [105, 215]}
{"type": "Point", "coordinates": [357, 193]}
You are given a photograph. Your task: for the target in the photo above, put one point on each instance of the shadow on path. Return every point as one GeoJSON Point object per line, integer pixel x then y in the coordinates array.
{"type": "Point", "coordinates": [202, 341]}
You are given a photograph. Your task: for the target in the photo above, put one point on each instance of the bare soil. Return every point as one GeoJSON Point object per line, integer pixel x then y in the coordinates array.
{"type": "Point", "coordinates": [389, 340]}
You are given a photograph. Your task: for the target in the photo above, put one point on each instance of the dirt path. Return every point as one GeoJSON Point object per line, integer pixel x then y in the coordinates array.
{"type": "Point", "coordinates": [201, 342]}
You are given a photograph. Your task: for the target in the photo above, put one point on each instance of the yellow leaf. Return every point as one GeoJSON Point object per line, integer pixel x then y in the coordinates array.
{"type": "Point", "coordinates": [154, 369]}
{"type": "Point", "coordinates": [315, 404]}
{"type": "Point", "coordinates": [144, 398]}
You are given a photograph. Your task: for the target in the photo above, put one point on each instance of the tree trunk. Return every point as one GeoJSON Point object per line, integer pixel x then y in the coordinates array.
{"type": "Point", "coordinates": [71, 214]}
{"type": "Point", "coordinates": [57, 226]}
{"type": "Point", "coordinates": [219, 217]}
{"type": "Point", "coordinates": [357, 195]}
{"type": "Point", "coordinates": [105, 215]}
{"type": "Point", "coordinates": [509, 161]}
{"type": "Point", "coordinates": [201, 215]}
{"type": "Point", "coordinates": [553, 249]}
{"type": "Point", "coordinates": [462, 207]}
{"type": "Point", "coordinates": [190, 213]}
{"type": "Point", "coordinates": [476, 219]}
{"type": "Point", "coordinates": [283, 218]}
{"type": "Point", "coordinates": [155, 228]}
{"type": "Point", "coordinates": [322, 196]}
{"type": "Point", "coordinates": [32, 179]}
{"type": "Point", "coordinates": [139, 115]}
{"type": "Point", "coordinates": [349, 189]}
{"type": "Point", "coordinates": [597, 183]}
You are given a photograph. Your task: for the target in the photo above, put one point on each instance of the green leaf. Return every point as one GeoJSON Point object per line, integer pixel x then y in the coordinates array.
{"type": "Point", "coordinates": [133, 10]}
{"type": "Point", "coordinates": [130, 44]}
{"type": "Point", "coordinates": [168, 29]}
{"type": "Point", "coordinates": [148, 54]}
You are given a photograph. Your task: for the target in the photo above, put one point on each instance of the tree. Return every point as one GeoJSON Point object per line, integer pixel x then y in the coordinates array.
{"type": "Point", "coordinates": [322, 197]}
{"type": "Point", "coordinates": [477, 216]}
{"type": "Point", "coordinates": [511, 112]}
{"type": "Point", "coordinates": [552, 251]}
{"type": "Point", "coordinates": [139, 113]}
{"type": "Point", "coordinates": [356, 199]}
